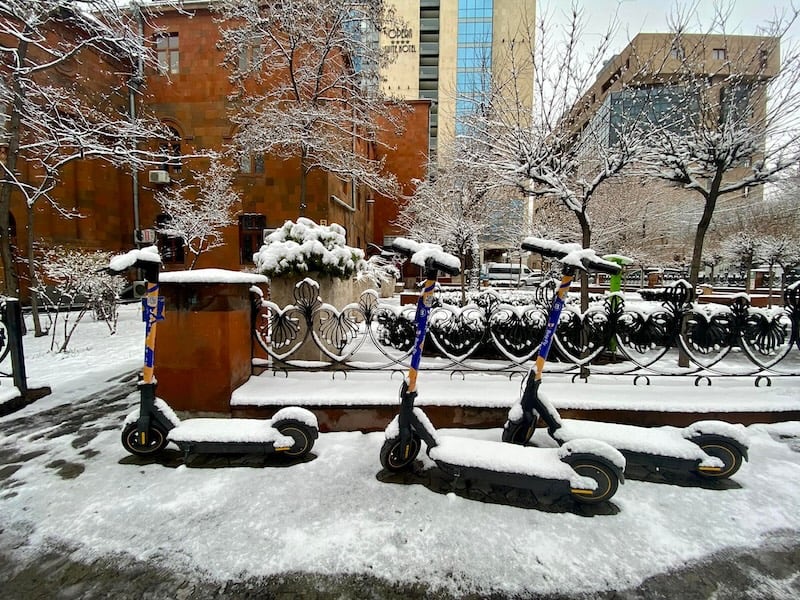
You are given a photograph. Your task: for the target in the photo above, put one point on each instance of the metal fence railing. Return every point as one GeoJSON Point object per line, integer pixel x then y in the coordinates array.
{"type": "Point", "coordinates": [673, 336]}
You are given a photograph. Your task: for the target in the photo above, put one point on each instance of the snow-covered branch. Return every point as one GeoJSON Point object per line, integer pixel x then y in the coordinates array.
{"type": "Point", "coordinates": [199, 211]}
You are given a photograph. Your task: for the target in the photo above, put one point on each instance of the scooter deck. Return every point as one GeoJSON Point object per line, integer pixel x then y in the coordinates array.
{"type": "Point", "coordinates": [497, 457]}
{"type": "Point", "coordinates": [228, 431]}
{"type": "Point", "coordinates": [656, 442]}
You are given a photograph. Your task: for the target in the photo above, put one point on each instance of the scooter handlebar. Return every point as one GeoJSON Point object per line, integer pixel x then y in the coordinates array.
{"type": "Point", "coordinates": [427, 256]}
{"type": "Point", "coordinates": [146, 259]}
{"type": "Point", "coordinates": [571, 254]}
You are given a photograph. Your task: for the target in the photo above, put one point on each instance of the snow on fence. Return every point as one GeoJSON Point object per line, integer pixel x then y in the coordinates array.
{"type": "Point", "coordinates": [614, 336]}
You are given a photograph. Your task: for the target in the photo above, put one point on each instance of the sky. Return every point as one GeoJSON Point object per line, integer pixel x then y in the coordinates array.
{"type": "Point", "coordinates": [68, 482]}
{"type": "Point", "coordinates": [651, 16]}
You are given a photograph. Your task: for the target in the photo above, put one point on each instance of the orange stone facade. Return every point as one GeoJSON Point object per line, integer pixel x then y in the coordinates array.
{"type": "Point", "coordinates": [194, 102]}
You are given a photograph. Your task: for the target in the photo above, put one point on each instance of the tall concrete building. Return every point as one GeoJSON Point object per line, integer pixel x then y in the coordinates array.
{"type": "Point", "coordinates": [445, 51]}
{"type": "Point", "coordinates": [694, 81]}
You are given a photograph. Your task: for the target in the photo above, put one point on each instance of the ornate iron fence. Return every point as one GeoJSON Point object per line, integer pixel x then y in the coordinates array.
{"type": "Point", "coordinates": [614, 336]}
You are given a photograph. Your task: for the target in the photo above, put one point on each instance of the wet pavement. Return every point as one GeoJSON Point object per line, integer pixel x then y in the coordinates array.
{"type": "Point", "coordinates": [770, 573]}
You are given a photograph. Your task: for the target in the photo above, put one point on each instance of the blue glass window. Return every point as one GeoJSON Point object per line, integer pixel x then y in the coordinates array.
{"type": "Point", "coordinates": [474, 55]}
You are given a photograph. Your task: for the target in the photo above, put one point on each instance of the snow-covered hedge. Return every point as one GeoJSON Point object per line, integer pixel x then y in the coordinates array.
{"type": "Point", "coordinates": [306, 247]}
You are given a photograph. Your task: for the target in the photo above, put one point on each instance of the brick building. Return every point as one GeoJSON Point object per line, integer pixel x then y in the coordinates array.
{"type": "Point", "coordinates": [190, 94]}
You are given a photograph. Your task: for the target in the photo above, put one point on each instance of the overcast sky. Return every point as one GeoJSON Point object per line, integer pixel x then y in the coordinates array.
{"type": "Point", "coordinates": [650, 16]}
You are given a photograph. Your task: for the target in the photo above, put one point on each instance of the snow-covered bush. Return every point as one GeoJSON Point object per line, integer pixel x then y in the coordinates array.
{"type": "Point", "coordinates": [306, 247]}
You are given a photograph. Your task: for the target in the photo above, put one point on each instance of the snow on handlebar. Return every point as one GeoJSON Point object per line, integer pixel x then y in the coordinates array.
{"type": "Point", "coordinates": [571, 254]}
{"type": "Point", "coordinates": [427, 255]}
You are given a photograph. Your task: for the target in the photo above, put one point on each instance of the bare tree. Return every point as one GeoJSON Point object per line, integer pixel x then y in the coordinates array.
{"type": "Point", "coordinates": [81, 283]}
{"type": "Point", "coordinates": [52, 117]}
{"type": "Point", "coordinates": [739, 115]}
{"type": "Point", "coordinates": [306, 74]}
{"type": "Point", "coordinates": [452, 208]}
{"type": "Point", "coordinates": [555, 151]}
{"type": "Point", "coordinates": [744, 249]}
{"type": "Point", "coordinates": [782, 250]}
{"type": "Point", "coordinates": [199, 211]}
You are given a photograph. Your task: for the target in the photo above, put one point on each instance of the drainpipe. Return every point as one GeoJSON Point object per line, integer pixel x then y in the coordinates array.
{"type": "Point", "coordinates": [133, 89]}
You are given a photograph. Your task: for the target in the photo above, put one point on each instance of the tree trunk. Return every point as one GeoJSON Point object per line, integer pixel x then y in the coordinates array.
{"type": "Point", "coordinates": [12, 156]}
{"type": "Point", "coordinates": [702, 229]}
{"type": "Point", "coordinates": [769, 292]}
{"type": "Point", "coordinates": [586, 241]}
{"type": "Point", "coordinates": [34, 280]}
{"type": "Point", "coordinates": [303, 183]}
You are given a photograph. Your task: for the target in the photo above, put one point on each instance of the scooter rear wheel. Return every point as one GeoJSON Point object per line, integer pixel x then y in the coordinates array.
{"type": "Point", "coordinates": [157, 440]}
{"type": "Point", "coordinates": [726, 452]}
{"type": "Point", "coordinates": [302, 435]}
{"type": "Point", "coordinates": [606, 478]}
{"type": "Point", "coordinates": [392, 458]}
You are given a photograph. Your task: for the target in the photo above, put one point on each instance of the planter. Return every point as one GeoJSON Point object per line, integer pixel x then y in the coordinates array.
{"type": "Point", "coordinates": [336, 292]}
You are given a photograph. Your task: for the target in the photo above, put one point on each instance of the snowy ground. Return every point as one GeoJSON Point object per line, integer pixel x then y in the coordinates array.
{"type": "Point", "coordinates": [71, 483]}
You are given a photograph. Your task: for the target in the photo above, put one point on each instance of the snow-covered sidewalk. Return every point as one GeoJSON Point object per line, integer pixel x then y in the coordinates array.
{"type": "Point", "coordinates": [66, 481]}
{"type": "Point", "coordinates": [480, 390]}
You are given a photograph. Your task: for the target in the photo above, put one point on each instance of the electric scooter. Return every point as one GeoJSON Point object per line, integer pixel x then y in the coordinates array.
{"type": "Point", "coordinates": [588, 470]}
{"type": "Point", "coordinates": [146, 431]}
{"type": "Point", "coordinates": [710, 449]}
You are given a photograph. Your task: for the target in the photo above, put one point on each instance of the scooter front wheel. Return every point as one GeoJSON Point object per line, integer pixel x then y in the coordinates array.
{"type": "Point", "coordinates": [605, 477]}
{"type": "Point", "coordinates": [396, 458]}
{"type": "Point", "coordinates": [156, 440]}
{"type": "Point", "coordinates": [730, 456]}
{"type": "Point", "coordinates": [302, 435]}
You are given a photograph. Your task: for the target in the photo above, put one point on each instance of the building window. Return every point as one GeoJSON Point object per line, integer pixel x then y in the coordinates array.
{"type": "Point", "coordinates": [251, 236]}
{"type": "Point", "coordinates": [735, 105]}
{"type": "Point", "coordinates": [473, 57]}
{"type": "Point", "coordinates": [168, 56]}
{"type": "Point", "coordinates": [170, 246]}
{"type": "Point", "coordinates": [677, 52]}
{"type": "Point", "coordinates": [250, 56]}
{"type": "Point", "coordinates": [171, 150]}
{"type": "Point", "coordinates": [251, 164]}
{"type": "Point", "coordinates": [719, 54]}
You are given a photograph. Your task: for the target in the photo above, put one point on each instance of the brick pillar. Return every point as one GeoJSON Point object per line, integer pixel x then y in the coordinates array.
{"type": "Point", "coordinates": [204, 343]}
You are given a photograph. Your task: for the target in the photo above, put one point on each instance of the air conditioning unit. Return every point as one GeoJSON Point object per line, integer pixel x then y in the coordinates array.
{"type": "Point", "coordinates": [158, 176]}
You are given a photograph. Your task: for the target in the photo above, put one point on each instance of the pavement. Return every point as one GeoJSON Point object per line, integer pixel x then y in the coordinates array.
{"type": "Point", "coordinates": [771, 571]}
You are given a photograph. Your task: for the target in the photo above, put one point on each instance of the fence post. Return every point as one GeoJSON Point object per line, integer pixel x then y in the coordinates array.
{"type": "Point", "coordinates": [14, 324]}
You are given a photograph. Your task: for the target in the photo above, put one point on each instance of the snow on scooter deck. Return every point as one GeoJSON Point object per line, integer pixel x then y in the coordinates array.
{"type": "Point", "coordinates": [656, 441]}
{"type": "Point", "coordinates": [229, 431]}
{"type": "Point", "coordinates": [542, 463]}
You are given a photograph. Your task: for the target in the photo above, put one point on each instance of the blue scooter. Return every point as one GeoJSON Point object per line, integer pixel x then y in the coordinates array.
{"type": "Point", "coordinates": [588, 470]}
{"type": "Point", "coordinates": [146, 431]}
{"type": "Point", "coordinates": [710, 449]}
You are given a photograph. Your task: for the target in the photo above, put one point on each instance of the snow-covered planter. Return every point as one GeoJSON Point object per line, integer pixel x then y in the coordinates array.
{"type": "Point", "coordinates": [305, 249]}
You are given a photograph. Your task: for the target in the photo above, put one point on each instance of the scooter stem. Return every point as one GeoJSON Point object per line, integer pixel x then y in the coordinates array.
{"type": "Point", "coordinates": [421, 320]}
{"type": "Point", "coordinates": [567, 276]}
{"type": "Point", "coordinates": [150, 317]}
